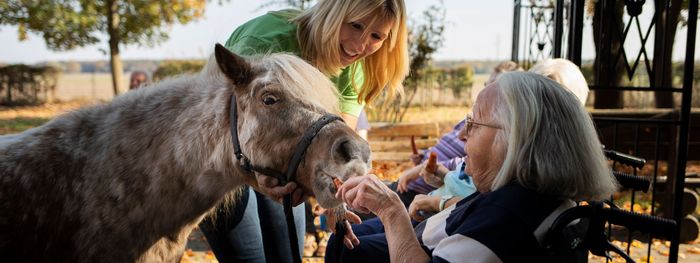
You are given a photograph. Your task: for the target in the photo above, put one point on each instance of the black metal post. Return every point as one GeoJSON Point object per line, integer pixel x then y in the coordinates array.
{"type": "Point", "coordinates": [516, 31]}
{"type": "Point", "coordinates": [682, 138]}
{"type": "Point", "coordinates": [575, 31]}
{"type": "Point", "coordinates": [558, 28]}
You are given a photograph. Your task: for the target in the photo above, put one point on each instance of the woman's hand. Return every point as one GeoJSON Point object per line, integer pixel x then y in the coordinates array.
{"type": "Point", "coordinates": [407, 177]}
{"type": "Point", "coordinates": [417, 158]}
{"type": "Point", "coordinates": [350, 239]}
{"type": "Point", "coordinates": [268, 185]}
{"type": "Point", "coordinates": [434, 179]}
{"type": "Point", "coordinates": [425, 203]}
{"type": "Point", "coordinates": [369, 194]}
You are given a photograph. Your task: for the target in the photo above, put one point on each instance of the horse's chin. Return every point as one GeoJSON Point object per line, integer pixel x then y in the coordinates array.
{"type": "Point", "coordinates": [325, 190]}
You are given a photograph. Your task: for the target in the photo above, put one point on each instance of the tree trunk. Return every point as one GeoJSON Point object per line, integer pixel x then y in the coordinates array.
{"type": "Point", "coordinates": [114, 58]}
{"type": "Point", "coordinates": [608, 42]}
{"type": "Point", "coordinates": [665, 34]}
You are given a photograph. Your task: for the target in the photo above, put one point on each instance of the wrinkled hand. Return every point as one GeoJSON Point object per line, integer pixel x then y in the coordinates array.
{"type": "Point", "coordinates": [350, 239]}
{"type": "Point", "coordinates": [434, 179]}
{"type": "Point", "coordinates": [368, 194]}
{"type": "Point", "coordinates": [417, 158]}
{"type": "Point", "coordinates": [268, 185]}
{"type": "Point", "coordinates": [407, 177]}
{"type": "Point", "coordinates": [428, 204]}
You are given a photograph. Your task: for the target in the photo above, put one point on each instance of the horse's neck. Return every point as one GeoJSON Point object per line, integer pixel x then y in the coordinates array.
{"type": "Point", "coordinates": [189, 119]}
{"type": "Point", "coordinates": [178, 137]}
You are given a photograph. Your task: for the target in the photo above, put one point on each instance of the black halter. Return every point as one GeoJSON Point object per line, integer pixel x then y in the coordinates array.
{"type": "Point", "coordinates": [283, 178]}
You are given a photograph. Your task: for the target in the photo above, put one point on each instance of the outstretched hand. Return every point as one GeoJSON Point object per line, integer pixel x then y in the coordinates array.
{"type": "Point", "coordinates": [368, 194]}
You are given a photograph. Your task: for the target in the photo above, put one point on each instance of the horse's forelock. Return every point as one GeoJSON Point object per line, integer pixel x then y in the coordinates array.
{"type": "Point", "coordinates": [308, 83]}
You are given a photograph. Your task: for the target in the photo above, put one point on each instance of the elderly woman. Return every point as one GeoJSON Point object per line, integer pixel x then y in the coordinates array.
{"type": "Point", "coordinates": [531, 150]}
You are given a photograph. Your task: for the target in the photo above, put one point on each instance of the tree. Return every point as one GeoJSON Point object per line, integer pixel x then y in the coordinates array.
{"type": "Point", "coordinates": [462, 79]}
{"type": "Point", "coordinates": [68, 24]}
{"type": "Point", "coordinates": [608, 68]}
{"type": "Point", "coordinates": [665, 35]}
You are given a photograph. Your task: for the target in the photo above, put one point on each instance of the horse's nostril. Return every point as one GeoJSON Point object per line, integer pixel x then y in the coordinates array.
{"type": "Point", "coordinates": [344, 150]}
{"type": "Point", "coordinates": [347, 149]}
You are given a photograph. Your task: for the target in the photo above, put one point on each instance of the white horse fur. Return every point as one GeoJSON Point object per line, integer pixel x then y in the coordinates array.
{"type": "Point", "coordinates": [127, 181]}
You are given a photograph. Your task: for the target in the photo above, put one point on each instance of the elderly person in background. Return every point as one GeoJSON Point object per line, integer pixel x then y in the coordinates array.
{"type": "Point", "coordinates": [532, 151]}
{"type": "Point", "coordinates": [565, 73]}
{"type": "Point", "coordinates": [138, 78]}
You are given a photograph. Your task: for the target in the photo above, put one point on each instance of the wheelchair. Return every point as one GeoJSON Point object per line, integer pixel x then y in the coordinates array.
{"type": "Point", "coordinates": [582, 228]}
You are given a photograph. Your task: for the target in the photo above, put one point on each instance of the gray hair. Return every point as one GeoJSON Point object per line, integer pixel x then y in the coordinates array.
{"type": "Point", "coordinates": [550, 141]}
{"type": "Point", "coordinates": [565, 73]}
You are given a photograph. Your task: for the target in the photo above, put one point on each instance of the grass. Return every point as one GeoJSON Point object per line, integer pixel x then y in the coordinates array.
{"type": "Point", "coordinates": [15, 125]}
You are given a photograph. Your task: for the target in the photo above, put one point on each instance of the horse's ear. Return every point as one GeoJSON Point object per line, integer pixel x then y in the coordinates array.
{"type": "Point", "coordinates": [233, 66]}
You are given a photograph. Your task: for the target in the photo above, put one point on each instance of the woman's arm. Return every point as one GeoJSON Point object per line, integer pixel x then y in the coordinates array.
{"type": "Point", "coordinates": [349, 120]}
{"type": "Point", "coordinates": [368, 194]}
{"type": "Point", "coordinates": [402, 240]}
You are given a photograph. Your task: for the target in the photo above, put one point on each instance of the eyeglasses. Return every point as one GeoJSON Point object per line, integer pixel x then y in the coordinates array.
{"type": "Point", "coordinates": [469, 124]}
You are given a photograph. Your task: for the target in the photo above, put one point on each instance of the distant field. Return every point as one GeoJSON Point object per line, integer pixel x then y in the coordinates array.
{"type": "Point", "coordinates": [75, 90]}
{"type": "Point", "coordinates": [19, 124]}
{"type": "Point", "coordinates": [98, 86]}
{"type": "Point", "coordinates": [86, 86]}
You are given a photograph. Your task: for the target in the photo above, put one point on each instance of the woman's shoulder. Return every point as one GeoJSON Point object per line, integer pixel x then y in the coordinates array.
{"type": "Point", "coordinates": [271, 32]}
{"type": "Point", "coordinates": [285, 14]}
{"type": "Point", "coordinates": [271, 22]}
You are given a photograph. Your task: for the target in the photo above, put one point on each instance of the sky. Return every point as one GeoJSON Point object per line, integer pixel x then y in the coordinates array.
{"type": "Point", "coordinates": [475, 30]}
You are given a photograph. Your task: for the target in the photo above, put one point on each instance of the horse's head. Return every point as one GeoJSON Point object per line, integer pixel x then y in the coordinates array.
{"type": "Point", "coordinates": [278, 97]}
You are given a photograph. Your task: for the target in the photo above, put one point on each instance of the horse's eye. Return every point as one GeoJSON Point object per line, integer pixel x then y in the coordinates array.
{"type": "Point", "coordinates": [269, 100]}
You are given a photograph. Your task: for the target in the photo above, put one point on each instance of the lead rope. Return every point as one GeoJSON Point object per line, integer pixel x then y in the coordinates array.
{"type": "Point", "coordinates": [291, 229]}
{"type": "Point", "coordinates": [340, 232]}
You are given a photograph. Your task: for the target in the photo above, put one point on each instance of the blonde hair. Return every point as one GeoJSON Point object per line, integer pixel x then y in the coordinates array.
{"type": "Point", "coordinates": [319, 29]}
{"type": "Point", "coordinates": [565, 73]}
{"type": "Point", "coordinates": [552, 146]}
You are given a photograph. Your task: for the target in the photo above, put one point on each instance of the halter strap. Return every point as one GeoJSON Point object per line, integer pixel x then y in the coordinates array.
{"type": "Point", "coordinates": [299, 152]}
{"type": "Point", "coordinates": [292, 167]}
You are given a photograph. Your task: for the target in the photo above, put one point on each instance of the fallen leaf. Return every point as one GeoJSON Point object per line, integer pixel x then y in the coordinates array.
{"type": "Point", "coordinates": [636, 243]}
{"type": "Point", "coordinates": [693, 250]}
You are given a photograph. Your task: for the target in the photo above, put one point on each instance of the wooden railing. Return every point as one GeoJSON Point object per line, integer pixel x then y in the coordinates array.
{"type": "Point", "coordinates": [392, 142]}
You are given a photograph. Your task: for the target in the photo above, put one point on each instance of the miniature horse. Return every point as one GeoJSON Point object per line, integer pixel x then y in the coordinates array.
{"type": "Point", "coordinates": [129, 180]}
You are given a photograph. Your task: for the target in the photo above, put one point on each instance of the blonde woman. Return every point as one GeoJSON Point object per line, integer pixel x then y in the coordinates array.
{"type": "Point", "coordinates": [362, 47]}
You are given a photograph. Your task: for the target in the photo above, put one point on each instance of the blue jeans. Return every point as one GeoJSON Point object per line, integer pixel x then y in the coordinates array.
{"type": "Point", "coordinates": [255, 231]}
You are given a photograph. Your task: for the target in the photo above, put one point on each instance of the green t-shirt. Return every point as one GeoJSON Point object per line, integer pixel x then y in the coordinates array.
{"type": "Point", "coordinates": [272, 32]}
